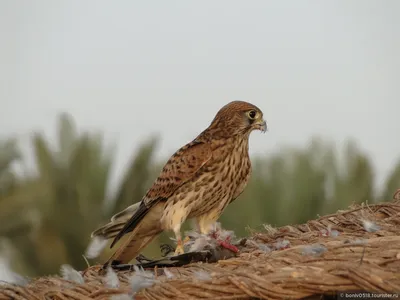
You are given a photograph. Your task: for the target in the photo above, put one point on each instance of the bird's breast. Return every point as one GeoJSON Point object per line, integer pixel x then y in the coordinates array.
{"type": "Point", "coordinates": [213, 188]}
{"type": "Point", "coordinates": [223, 180]}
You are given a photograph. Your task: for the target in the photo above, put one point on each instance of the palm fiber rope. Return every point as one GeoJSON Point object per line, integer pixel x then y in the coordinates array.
{"type": "Point", "coordinates": [316, 262]}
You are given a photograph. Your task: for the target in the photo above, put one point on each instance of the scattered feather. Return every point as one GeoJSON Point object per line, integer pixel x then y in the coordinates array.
{"type": "Point", "coordinates": [260, 246]}
{"type": "Point", "coordinates": [226, 235]}
{"type": "Point", "coordinates": [9, 276]}
{"type": "Point", "coordinates": [370, 226]}
{"type": "Point", "coordinates": [199, 244]}
{"type": "Point", "coordinates": [283, 244]}
{"type": "Point", "coordinates": [111, 279]}
{"type": "Point", "coordinates": [69, 273]}
{"type": "Point", "coordinates": [95, 247]}
{"type": "Point", "coordinates": [222, 234]}
{"type": "Point", "coordinates": [315, 249]}
{"type": "Point", "coordinates": [168, 273]}
{"type": "Point", "coordinates": [356, 242]}
{"type": "Point", "coordinates": [192, 234]}
{"type": "Point", "coordinates": [329, 232]}
{"type": "Point", "coordinates": [141, 279]}
{"type": "Point", "coordinates": [202, 275]}
{"type": "Point", "coordinates": [264, 247]}
{"type": "Point", "coordinates": [334, 233]}
{"type": "Point", "coordinates": [121, 297]}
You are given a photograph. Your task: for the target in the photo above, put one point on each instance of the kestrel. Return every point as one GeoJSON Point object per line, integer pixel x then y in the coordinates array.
{"type": "Point", "coordinates": [198, 181]}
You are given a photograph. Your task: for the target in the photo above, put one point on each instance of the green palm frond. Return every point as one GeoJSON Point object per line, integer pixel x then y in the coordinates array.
{"type": "Point", "coordinates": [137, 177]}
{"type": "Point", "coordinates": [392, 183]}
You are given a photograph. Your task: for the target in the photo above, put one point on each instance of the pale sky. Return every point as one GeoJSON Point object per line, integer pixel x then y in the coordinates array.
{"type": "Point", "coordinates": [134, 68]}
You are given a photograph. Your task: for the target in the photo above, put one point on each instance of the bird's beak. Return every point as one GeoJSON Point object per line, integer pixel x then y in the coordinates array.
{"type": "Point", "coordinates": [261, 125]}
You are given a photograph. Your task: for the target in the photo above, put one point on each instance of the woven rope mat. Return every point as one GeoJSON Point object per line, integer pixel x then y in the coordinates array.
{"type": "Point", "coordinates": [351, 259]}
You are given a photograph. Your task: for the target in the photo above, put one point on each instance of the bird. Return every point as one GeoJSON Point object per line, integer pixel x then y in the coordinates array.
{"type": "Point", "coordinates": [197, 182]}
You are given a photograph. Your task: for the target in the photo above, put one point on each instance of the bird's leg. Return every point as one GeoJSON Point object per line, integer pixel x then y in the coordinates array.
{"type": "Point", "coordinates": [179, 244]}
{"type": "Point", "coordinates": [188, 238]}
{"type": "Point", "coordinates": [204, 225]}
{"type": "Point", "coordinates": [196, 225]}
{"type": "Point", "coordinates": [195, 228]}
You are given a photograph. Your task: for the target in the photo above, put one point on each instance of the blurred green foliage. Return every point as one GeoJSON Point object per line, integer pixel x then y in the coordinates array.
{"type": "Point", "coordinates": [47, 217]}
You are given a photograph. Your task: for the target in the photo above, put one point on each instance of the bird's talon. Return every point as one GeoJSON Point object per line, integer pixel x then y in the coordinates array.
{"type": "Point", "coordinates": [179, 249]}
{"type": "Point", "coordinates": [142, 259]}
{"type": "Point", "coordinates": [166, 250]}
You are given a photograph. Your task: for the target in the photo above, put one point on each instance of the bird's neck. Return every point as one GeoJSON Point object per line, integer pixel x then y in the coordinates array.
{"type": "Point", "coordinates": [213, 133]}
{"type": "Point", "coordinates": [235, 143]}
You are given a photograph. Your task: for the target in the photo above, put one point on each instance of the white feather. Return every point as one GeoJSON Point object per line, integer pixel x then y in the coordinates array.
{"type": "Point", "coordinates": [199, 243]}
{"type": "Point", "coordinates": [168, 273]}
{"type": "Point", "coordinates": [283, 244]}
{"type": "Point", "coordinates": [95, 247]}
{"type": "Point", "coordinates": [315, 249]}
{"type": "Point", "coordinates": [370, 226]}
{"type": "Point", "coordinates": [69, 273]}
{"type": "Point", "coordinates": [7, 275]}
{"type": "Point", "coordinates": [121, 297]}
{"type": "Point", "coordinates": [141, 279]}
{"type": "Point", "coordinates": [111, 278]}
{"type": "Point", "coordinates": [264, 247]}
{"type": "Point", "coordinates": [358, 242]}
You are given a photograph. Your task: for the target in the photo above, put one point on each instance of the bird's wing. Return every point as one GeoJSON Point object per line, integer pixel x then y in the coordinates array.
{"type": "Point", "coordinates": [179, 169]}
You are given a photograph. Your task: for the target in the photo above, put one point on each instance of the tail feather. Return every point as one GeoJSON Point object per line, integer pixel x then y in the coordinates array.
{"type": "Point", "coordinates": [133, 223]}
{"type": "Point", "coordinates": [130, 249]}
{"type": "Point", "coordinates": [127, 213]}
{"type": "Point", "coordinates": [138, 224]}
{"type": "Point", "coordinates": [117, 222]}
{"type": "Point", "coordinates": [109, 231]}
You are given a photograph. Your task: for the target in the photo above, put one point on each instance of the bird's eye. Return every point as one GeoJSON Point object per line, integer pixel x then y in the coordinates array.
{"type": "Point", "coordinates": [252, 114]}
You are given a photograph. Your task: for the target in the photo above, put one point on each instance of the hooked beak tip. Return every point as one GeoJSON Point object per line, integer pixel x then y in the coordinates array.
{"type": "Point", "coordinates": [263, 127]}
{"type": "Point", "coordinates": [260, 125]}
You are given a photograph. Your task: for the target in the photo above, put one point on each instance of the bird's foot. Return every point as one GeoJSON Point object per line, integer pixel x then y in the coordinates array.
{"type": "Point", "coordinates": [142, 259]}
{"type": "Point", "coordinates": [179, 249]}
{"type": "Point", "coordinates": [166, 250]}
{"type": "Point", "coordinates": [186, 239]}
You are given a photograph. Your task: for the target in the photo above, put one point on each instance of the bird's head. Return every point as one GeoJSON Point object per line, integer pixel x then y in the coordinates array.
{"type": "Point", "coordinates": [237, 117]}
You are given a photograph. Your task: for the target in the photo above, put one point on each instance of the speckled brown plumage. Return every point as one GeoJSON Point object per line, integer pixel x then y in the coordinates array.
{"type": "Point", "coordinates": [198, 181]}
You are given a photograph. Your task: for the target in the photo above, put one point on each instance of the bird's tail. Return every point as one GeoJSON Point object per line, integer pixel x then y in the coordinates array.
{"type": "Point", "coordinates": [131, 248]}
{"type": "Point", "coordinates": [134, 238]}
{"type": "Point", "coordinates": [110, 230]}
